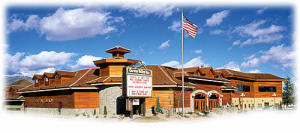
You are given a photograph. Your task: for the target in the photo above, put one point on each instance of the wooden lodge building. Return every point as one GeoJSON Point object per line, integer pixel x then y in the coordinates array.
{"type": "Point", "coordinates": [91, 90]}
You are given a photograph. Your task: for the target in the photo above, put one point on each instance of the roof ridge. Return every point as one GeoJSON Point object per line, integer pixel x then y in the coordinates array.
{"type": "Point", "coordinates": [167, 74]}
{"type": "Point", "coordinates": [25, 87]}
{"type": "Point", "coordinates": [80, 77]}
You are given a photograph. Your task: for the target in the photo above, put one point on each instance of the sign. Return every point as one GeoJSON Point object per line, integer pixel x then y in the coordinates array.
{"type": "Point", "coordinates": [136, 102]}
{"type": "Point", "coordinates": [137, 82]}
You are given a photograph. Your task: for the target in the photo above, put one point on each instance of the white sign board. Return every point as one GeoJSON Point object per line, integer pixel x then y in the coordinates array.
{"type": "Point", "coordinates": [138, 82]}
{"type": "Point", "coordinates": [136, 102]}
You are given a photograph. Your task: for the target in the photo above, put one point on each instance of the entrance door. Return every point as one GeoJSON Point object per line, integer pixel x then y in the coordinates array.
{"type": "Point", "coordinates": [139, 106]}
{"type": "Point", "coordinates": [199, 103]}
{"type": "Point", "coordinates": [213, 102]}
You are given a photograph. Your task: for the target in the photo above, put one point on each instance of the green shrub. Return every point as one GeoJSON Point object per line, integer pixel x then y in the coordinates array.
{"type": "Point", "coordinates": [105, 111]}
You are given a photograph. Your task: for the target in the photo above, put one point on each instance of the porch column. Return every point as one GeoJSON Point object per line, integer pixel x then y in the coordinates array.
{"type": "Point", "coordinates": [207, 105]}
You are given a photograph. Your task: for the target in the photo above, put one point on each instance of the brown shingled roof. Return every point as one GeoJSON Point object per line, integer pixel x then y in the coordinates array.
{"type": "Point", "coordinates": [118, 49]}
{"type": "Point", "coordinates": [37, 76]}
{"type": "Point", "coordinates": [49, 75]}
{"type": "Point", "coordinates": [78, 80]}
{"type": "Point", "coordinates": [251, 76]}
{"type": "Point", "coordinates": [65, 73]}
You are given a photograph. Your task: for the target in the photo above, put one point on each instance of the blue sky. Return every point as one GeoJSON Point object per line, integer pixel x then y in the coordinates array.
{"type": "Point", "coordinates": [248, 39]}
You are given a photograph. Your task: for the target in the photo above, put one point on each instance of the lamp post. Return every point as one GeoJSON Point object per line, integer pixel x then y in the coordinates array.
{"type": "Point", "coordinates": [274, 95]}
{"type": "Point", "coordinates": [242, 95]}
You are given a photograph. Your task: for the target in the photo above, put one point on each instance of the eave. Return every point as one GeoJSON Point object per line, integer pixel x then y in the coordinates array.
{"type": "Point", "coordinates": [209, 80]}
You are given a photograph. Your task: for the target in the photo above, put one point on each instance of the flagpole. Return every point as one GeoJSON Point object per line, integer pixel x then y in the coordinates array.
{"type": "Point", "coordinates": [182, 61]}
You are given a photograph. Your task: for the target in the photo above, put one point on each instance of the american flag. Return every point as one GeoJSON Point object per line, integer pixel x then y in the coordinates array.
{"type": "Point", "coordinates": [190, 27]}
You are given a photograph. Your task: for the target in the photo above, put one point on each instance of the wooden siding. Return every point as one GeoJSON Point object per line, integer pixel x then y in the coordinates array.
{"type": "Point", "coordinates": [115, 70]}
{"type": "Point", "coordinates": [178, 98]}
{"type": "Point", "coordinates": [165, 97]}
{"type": "Point", "coordinates": [86, 99]}
{"type": "Point", "coordinates": [104, 71]}
{"type": "Point", "coordinates": [50, 101]}
{"type": "Point", "coordinates": [278, 92]}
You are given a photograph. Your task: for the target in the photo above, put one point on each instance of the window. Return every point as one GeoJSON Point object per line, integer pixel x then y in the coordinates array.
{"type": "Point", "coordinates": [46, 81]}
{"type": "Point", "coordinates": [36, 82]}
{"type": "Point", "coordinates": [267, 89]}
{"type": "Point", "coordinates": [58, 77]}
{"type": "Point", "coordinates": [196, 73]}
{"type": "Point", "coordinates": [243, 88]}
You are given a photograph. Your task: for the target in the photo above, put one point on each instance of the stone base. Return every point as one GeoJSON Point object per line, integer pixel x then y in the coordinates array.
{"type": "Point", "coordinates": [64, 111]}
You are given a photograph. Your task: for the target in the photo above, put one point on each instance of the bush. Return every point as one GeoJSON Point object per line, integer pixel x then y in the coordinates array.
{"type": "Point", "coordinates": [105, 111]}
{"type": "Point", "coordinates": [94, 112]}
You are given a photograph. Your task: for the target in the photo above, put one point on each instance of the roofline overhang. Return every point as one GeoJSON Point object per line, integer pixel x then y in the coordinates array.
{"type": "Point", "coordinates": [177, 86]}
{"type": "Point", "coordinates": [14, 100]}
{"type": "Point", "coordinates": [106, 84]}
{"type": "Point", "coordinates": [58, 89]}
{"type": "Point", "coordinates": [209, 80]}
{"type": "Point", "coordinates": [228, 89]}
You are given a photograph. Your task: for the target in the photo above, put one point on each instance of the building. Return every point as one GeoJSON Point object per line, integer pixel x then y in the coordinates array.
{"type": "Point", "coordinates": [13, 100]}
{"type": "Point", "coordinates": [254, 90]}
{"type": "Point", "coordinates": [94, 90]}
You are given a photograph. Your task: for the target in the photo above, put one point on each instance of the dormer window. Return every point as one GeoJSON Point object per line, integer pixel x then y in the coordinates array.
{"type": "Point", "coordinates": [196, 73]}
{"type": "Point", "coordinates": [46, 81]}
{"type": "Point", "coordinates": [58, 77]}
{"type": "Point", "coordinates": [36, 82]}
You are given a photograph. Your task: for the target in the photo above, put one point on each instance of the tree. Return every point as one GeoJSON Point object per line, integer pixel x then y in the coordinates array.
{"type": "Point", "coordinates": [158, 107]}
{"type": "Point", "coordinates": [288, 92]}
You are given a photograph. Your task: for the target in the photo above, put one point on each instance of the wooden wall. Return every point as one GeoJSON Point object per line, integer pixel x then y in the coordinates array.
{"type": "Point", "coordinates": [50, 101]}
{"type": "Point", "coordinates": [104, 71]}
{"type": "Point", "coordinates": [254, 91]}
{"type": "Point", "coordinates": [258, 94]}
{"type": "Point", "coordinates": [115, 70]}
{"type": "Point", "coordinates": [178, 98]}
{"type": "Point", "coordinates": [86, 99]}
{"type": "Point", "coordinates": [165, 97]}
{"type": "Point", "coordinates": [243, 82]}
{"type": "Point", "coordinates": [69, 99]}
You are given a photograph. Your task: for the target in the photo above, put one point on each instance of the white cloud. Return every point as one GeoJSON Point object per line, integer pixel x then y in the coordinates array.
{"type": "Point", "coordinates": [77, 23]}
{"type": "Point", "coordinates": [39, 71]}
{"type": "Point", "coordinates": [263, 39]}
{"type": "Point", "coordinates": [46, 59]}
{"type": "Point", "coordinates": [146, 8]}
{"type": "Point", "coordinates": [216, 32]}
{"type": "Point", "coordinates": [253, 29]}
{"type": "Point", "coordinates": [26, 65]}
{"type": "Point", "coordinates": [254, 71]}
{"type": "Point", "coordinates": [217, 18]}
{"type": "Point", "coordinates": [195, 62]}
{"type": "Point", "coordinates": [69, 24]}
{"type": "Point", "coordinates": [260, 11]}
{"type": "Point", "coordinates": [171, 64]}
{"type": "Point", "coordinates": [232, 65]}
{"type": "Point", "coordinates": [271, 34]}
{"type": "Point", "coordinates": [198, 51]}
{"type": "Point", "coordinates": [85, 61]}
{"type": "Point", "coordinates": [164, 45]}
{"type": "Point", "coordinates": [32, 22]}
{"type": "Point", "coordinates": [280, 55]}
{"type": "Point", "coordinates": [192, 63]}
{"type": "Point", "coordinates": [176, 26]}
{"type": "Point", "coordinates": [237, 42]}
